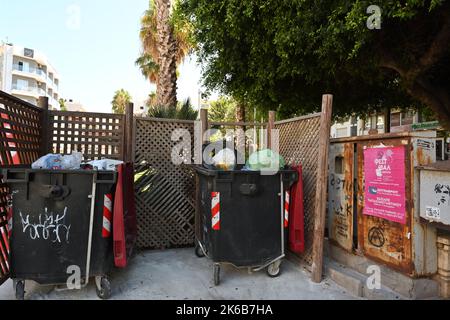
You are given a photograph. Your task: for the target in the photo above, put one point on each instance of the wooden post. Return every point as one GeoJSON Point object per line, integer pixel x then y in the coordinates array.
{"type": "Point", "coordinates": [128, 134]}
{"type": "Point", "coordinates": [321, 188]}
{"type": "Point", "coordinates": [387, 120]}
{"type": "Point", "coordinates": [270, 127]}
{"type": "Point", "coordinates": [204, 121]}
{"type": "Point", "coordinates": [45, 146]}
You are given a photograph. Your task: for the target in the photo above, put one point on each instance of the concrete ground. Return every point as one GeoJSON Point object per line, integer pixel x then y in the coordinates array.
{"type": "Point", "coordinates": [179, 274]}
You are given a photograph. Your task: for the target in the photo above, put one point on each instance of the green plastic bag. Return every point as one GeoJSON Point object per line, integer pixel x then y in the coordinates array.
{"type": "Point", "coordinates": [265, 160]}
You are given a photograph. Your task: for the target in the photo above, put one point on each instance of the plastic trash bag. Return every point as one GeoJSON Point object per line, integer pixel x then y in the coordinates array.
{"type": "Point", "coordinates": [225, 160]}
{"type": "Point", "coordinates": [59, 162]}
{"type": "Point", "coordinates": [72, 162]}
{"type": "Point", "coordinates": [105, 164]}
{"type": "Point", "coordinates": [49, 161]}
{"type": "Point", "coordinates": [265, 160]}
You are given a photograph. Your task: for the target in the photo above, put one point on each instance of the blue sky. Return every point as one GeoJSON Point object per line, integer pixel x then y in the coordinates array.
{"type": "Point", "coordinates": [94, 57]}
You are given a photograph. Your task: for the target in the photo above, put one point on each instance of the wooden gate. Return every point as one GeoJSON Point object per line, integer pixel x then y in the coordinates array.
{"type": "Point", "coordinates": [299, 141]}
{"type": "Point", "coordinates": [165, 203]}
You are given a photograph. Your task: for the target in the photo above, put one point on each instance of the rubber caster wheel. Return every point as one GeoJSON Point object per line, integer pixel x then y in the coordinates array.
{"type": "Point", "coordinates": [274, 269]}
{"type": "Point", "coordinates": [20, 289]}
{"type": "Point", "coordinates": [103, 287]}
{"type": "Point", "coordinates": [216, 274]}
{"type": "Point", "coordinates": [199, 252]}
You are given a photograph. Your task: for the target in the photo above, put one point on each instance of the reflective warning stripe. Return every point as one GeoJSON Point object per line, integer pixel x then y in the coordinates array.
{"type": "Point", "coordinates": [286, 209]}
{"type": "Point", "coordinates": [107, 216]}
{"type": "Point", "coordinates": [215, 210]}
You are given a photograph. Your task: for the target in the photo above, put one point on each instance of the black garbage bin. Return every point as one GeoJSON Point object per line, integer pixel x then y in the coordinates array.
{"type": "Point", "coordinates": [58, 227]}
{"type": "Point", "coordinates": [240, 218]}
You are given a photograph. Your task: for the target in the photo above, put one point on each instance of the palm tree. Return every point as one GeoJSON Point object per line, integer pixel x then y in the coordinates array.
{"type": "Point", "coordinates": [120, 101]}
{"type": "Point", "coordinates": [148, 66]}
{"type": "Point", "coordinates": [166, 40]}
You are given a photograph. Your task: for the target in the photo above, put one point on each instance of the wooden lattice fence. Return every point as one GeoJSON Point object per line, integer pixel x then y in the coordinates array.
{"type": "Point", "coordinates": [20, 144]}
{"type": "Point", "coordinates": [164, 191]}
{"type": "Point", "coordinates": [95, 135]}
{"type": "Point", "coordinates": [299, 141]}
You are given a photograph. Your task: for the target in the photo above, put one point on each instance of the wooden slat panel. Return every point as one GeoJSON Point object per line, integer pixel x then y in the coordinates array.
{"type": "Point", "coordinates": [95, 135]}
{"type": "Point", "coordinates": [164, 192]}
{"type": "Point", "coordinates": [20, 141]}
{"type": "Point", "coordinates": [299, 140]}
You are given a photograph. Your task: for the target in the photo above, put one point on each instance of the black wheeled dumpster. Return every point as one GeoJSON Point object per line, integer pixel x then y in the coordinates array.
{"type": "Point", "coordinates": [240, 218]}
{"type": "Point", "coordinates": [60, 227]}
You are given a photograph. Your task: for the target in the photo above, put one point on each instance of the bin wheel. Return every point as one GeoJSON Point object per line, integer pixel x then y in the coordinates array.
{"type": "Point", "coordinates": [216, 274]}
{"type": "Point", "coordinates": [199, 252]}
{"type": "Point", "coordinates": [20, 290]}
{"type": "Point", "coordinates": [103, 288]}
{"type": "Point", "coordinates": [274, 270]}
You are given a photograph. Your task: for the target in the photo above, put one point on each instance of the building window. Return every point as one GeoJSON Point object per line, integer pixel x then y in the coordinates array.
{"type": "Point", "coordinates": [395, 119]}
{"type": "Point", "coordinates": [407, 118]}
{"type": "Point", "coordinates": [21, 84]}
{"type": "Point", "coordinates": [341, 132]}
{"type": "Point", "coordinates": [20, 66]}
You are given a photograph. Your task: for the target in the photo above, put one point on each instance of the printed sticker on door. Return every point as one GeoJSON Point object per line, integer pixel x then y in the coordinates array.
{"type": "Point", "coordinates": [384, 191]}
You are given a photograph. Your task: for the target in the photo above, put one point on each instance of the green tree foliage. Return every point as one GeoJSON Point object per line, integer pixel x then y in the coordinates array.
{"type": "Point", "coordinates": [62, 104]}
{"type": "Point", "coordinates": [183, 111]}
{"type": "Point", "coordinates": [222, 110]}
{"type": "Point", "coordinates": [120, 100]}
{"type": "Point", "coordinates": [286, 53]}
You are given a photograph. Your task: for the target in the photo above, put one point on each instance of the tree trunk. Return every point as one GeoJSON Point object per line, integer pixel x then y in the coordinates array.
{"type": "Point", "coordinates": [387, 120]}
{"type": "Point", "coordinates": [167, 80]}
{"type": "Point", "coordinates": [435, 98]}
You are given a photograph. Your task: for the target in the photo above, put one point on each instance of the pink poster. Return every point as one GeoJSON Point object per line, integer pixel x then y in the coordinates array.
{"type": "Point", "coordinates": [384, 171]}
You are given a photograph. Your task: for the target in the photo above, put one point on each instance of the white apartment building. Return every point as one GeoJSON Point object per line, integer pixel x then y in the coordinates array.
{"type": "Point", "coordinates": [27, 74]}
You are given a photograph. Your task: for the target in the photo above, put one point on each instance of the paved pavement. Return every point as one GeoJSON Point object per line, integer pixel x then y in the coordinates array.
{"type": "Point", "coordinates": [179, 274]}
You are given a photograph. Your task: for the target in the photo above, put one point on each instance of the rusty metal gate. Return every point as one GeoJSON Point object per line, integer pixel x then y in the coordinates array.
{"type": "Point", "coordinates": [405, 247]}
{"type": "Point", "coordinates": [341, 194]}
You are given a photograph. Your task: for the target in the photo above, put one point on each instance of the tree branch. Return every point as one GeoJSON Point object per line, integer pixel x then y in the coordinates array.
{"type": "Point", "coordinates": [438, 48]}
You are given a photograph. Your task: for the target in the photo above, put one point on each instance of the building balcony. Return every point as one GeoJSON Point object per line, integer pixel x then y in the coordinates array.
{"type": "Point", "coordinates": [35, 73]}
{"type": "Point", "coordinates": [28, 91]}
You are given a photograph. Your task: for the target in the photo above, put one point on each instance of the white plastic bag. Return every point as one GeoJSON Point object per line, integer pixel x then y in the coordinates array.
{"type": "Point", "coordinates": [105, 164]}
{"type": "Point", "coordinates": [59, 162]}
{"type": "Point", "coordinates": [49, 161]}
{"type": "Point", "coordinates": [225, 160]}
{"type": "Point", "coordinates": [72, 162]}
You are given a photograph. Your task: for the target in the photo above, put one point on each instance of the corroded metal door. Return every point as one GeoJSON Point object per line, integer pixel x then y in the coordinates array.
{"type": "Point", "coordinates": [381, 239]}
{"type": "Point", "coordinates": [340, 194]}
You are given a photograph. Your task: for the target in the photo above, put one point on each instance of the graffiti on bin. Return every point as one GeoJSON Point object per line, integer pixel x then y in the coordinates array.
{"type": "Point", "coordinates": [49, 226]}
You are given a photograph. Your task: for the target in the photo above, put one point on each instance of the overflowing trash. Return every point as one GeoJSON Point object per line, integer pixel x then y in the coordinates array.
{"type": "Point", "coordinates": [59, 162]}
{"type": "Point", "coordinates": [104, 164]}
{"type": "Point", "coordinates": [73, 161]}
{"type": "Point", "coordinates": [228, 159]}
{"type": "Point", "coordinates": [225, 160]}
{"type": "Point", "coordinates": [265, 160]}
